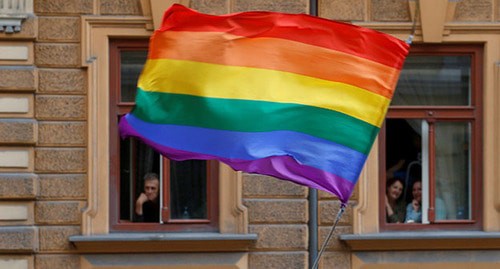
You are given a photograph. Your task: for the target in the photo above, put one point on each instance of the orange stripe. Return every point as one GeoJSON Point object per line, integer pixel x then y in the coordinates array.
{"type": "Point", "coordinates": [268, 53]}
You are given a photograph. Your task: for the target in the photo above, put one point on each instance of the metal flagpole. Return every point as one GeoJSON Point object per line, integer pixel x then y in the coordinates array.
{"type": "Point", "coordinates": [414, 26]}
{"type": "Point", "coordinates": [339, 215]}
{"type": "Point", "coordinates": [343, 205]}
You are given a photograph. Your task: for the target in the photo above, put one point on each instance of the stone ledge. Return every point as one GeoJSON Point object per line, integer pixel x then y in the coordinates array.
{"type": "Point", "coordinates": [438, 240]}
{"type": "Point", "coordinates": [163, 242]}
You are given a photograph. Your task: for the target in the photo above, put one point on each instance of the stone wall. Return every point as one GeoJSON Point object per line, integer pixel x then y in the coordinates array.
{"type": "Point", "coordinates": [43, 136]}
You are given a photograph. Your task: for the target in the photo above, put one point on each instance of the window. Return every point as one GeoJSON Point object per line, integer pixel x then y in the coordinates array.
{"type": "Point", "coordinates": [187, 191]}
{"type": "Point", "coordinates": [433, 136]}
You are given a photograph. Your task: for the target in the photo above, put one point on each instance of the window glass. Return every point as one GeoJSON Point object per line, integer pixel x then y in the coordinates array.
{"type": "Point", "coordinates": [431, 142]}
{"type": "Point", "coordinates": [452, 171]}
{"type": "Point", "coordinates": [130, 69]}
{"type": "Point", "coordinates": [433, 81]}
{"type": "Point", "coordinates": [183, 195]}
{"type": "Point", "coordinates": [188, 196]}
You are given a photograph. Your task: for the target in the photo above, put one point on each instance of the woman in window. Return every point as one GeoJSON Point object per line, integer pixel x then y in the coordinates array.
{"type": "Point", "coordinates": [395, 207]}
{"type": "Point", "coordinates": [414, 209]}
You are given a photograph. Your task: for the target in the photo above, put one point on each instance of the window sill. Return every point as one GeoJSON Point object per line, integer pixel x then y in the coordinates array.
{"type": "Point", "coordinates": [163, 242]}
{"type": "Point", "coordinates": [445, 240]}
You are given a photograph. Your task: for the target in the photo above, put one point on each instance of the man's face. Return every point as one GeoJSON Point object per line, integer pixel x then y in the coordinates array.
{"type": "Point", "coordinates": [151, 189]}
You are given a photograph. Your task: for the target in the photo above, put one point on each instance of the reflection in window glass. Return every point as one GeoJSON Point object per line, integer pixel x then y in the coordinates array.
{"type": "Point", "coordinates": [453, 185]}
{"type": "Point", "coordinates": [131, 66]}
{"type": "Point", "coordinates": [434, 80]}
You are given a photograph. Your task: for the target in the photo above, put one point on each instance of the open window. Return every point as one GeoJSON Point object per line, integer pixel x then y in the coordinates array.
{"type": "Point", "coordinates": [187, 191]}
{"type": "Point", "coordinates": [431, 142]}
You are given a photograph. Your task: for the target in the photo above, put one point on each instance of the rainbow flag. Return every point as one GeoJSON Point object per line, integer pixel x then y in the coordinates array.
{"type": "Point", "coordinates": [292, 96]}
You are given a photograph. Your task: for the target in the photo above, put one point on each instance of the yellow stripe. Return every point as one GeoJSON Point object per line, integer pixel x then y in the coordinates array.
{"type": "Point", "coordinates": [233, 82]}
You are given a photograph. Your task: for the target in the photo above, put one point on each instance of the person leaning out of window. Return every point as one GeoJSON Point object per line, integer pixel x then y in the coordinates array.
{"type": "Point", "coordinates": [147, 205]}
{"type": "Point", "coordinates": [395, 207]}
{"type": "Point", "coordinates": [414, 209]}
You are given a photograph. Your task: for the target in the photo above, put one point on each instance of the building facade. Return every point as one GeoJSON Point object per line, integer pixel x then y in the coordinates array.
{"type": "Point", "coordinates": [68, 185]}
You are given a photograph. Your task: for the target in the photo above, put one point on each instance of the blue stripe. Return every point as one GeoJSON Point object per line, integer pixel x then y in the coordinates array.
{"type": "Point", "coordinates": [305, 149]}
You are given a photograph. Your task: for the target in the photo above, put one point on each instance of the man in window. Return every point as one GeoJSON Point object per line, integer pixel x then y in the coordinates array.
{"type": "Point", "coordinates": [147, 206]}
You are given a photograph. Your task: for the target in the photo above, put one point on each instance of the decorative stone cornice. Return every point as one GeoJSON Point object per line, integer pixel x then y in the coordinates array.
{"type": "Point", "coordinates": [12, 14]}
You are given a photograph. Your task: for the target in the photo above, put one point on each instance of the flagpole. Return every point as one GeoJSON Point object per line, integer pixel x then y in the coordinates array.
{"type": "Point", "coordinates": [313, 193]}
{"type": "Point", "coordinates": [339, 215]}
{"type": "Point", "coordinates": [414, 26]}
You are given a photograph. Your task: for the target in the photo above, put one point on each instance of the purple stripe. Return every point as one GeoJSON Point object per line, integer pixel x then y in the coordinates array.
{"type": "Point", "coordinates": [283, 167]}
{"type": "Point", "coordinates": [305, 149]}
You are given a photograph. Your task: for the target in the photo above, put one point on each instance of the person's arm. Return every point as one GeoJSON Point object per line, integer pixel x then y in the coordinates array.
{"type": "Point", "coordinates": [138, 216]}
{"type": "Point", "coordinates": [391, 216]}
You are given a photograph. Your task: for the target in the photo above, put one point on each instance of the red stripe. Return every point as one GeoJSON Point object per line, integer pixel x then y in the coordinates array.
{"type": "Point", "coordinates": [347, 38]}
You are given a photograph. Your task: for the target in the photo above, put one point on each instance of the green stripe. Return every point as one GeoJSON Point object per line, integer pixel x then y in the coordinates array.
{"type": "Point", "coordinates": [254, 116]}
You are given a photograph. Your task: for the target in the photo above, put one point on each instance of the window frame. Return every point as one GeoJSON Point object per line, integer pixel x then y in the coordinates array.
{"type": "Point", "coordinates": [117, 108]}
{"type": "Point", "coordinates": [472, 113]}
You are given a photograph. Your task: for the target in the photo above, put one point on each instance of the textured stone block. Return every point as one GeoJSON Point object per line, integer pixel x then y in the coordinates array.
{"type": "Point", "coordinates": [51, 107]}
{"type": "Point", "coordinates": [335, 243]}
{"type": "Point", "coordinates": [278, 260]}
{"type": "Point", "coordinates": [60, 160]}
{"type": "Point", "coordinates": [280, 237]}
{"type": "Point", "coordinates": [327, 195]}
{"type": "Point", "coordinates": [63, 6]}
{"type": "Point", "coordinates": [264, 186]}
{"type": "Point", "coordinates": [121, 7]}
{"type": "Point", "coordinates": [66, 81]}
{"type": "Point", "coordinates": [58, 29]}
{"type": "Point", "coordinates": [16, 78]}
{"type": "Point", "coordinates": [18, 131]}
{"type": "Point", "coordinates": [215, 7]}
{"type": "Point", "coordinates": [57, 55]}
{"type": "Point", "coordinates": [17, 186]}
{"type": "Point", "coordinates": [57, 261]}
{"type": "Point", "coordinates": [390, 10]}
{"type": "Point", "coordinates": [328, 211]}
{"type": "Point", "coordinates": [343, 10]}
{"type": "Point", "coordinates": [55, 238]}
{"type": "Point", "coordinates": [62, 212]}
{"type": "Point", "coordinates": [18, 239]}
{"type": "Point", "coordinates": [335, 259]}
{"type": "Point", "coordinates": [61, 133]}
{"type": "Point", "coordinates": [62, 187]}
{"type": "Point", "coordinates": [277, 211]}
{"type": "Point", "coordinates": [288, 6]}
{"type": "Point", "coordinates": [474, 10]}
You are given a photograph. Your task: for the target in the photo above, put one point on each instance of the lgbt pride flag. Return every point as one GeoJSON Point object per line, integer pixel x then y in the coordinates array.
{"type": "Point", "coordinates": [292, 96]}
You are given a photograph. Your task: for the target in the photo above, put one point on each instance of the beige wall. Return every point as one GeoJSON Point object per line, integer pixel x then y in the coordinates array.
{"type": "Point", "coordinates": [53, 133]}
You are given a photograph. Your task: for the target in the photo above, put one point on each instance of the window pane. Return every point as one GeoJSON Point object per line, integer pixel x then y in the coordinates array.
{"type": "Point", "coordinates": [453, 186]}
{"type": "Point", "coordinates": [434, 80]}
{"type": "Point", "coordinates": [188, 183]}
{"type": "Point", "coordinates": [404, 150]}
{"type": "Point", "coordinates": [130, 69]}
{"type": "Point", "coordinates": [136, 160]}
{"type": "Point", "coordinates": [403, 164]}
